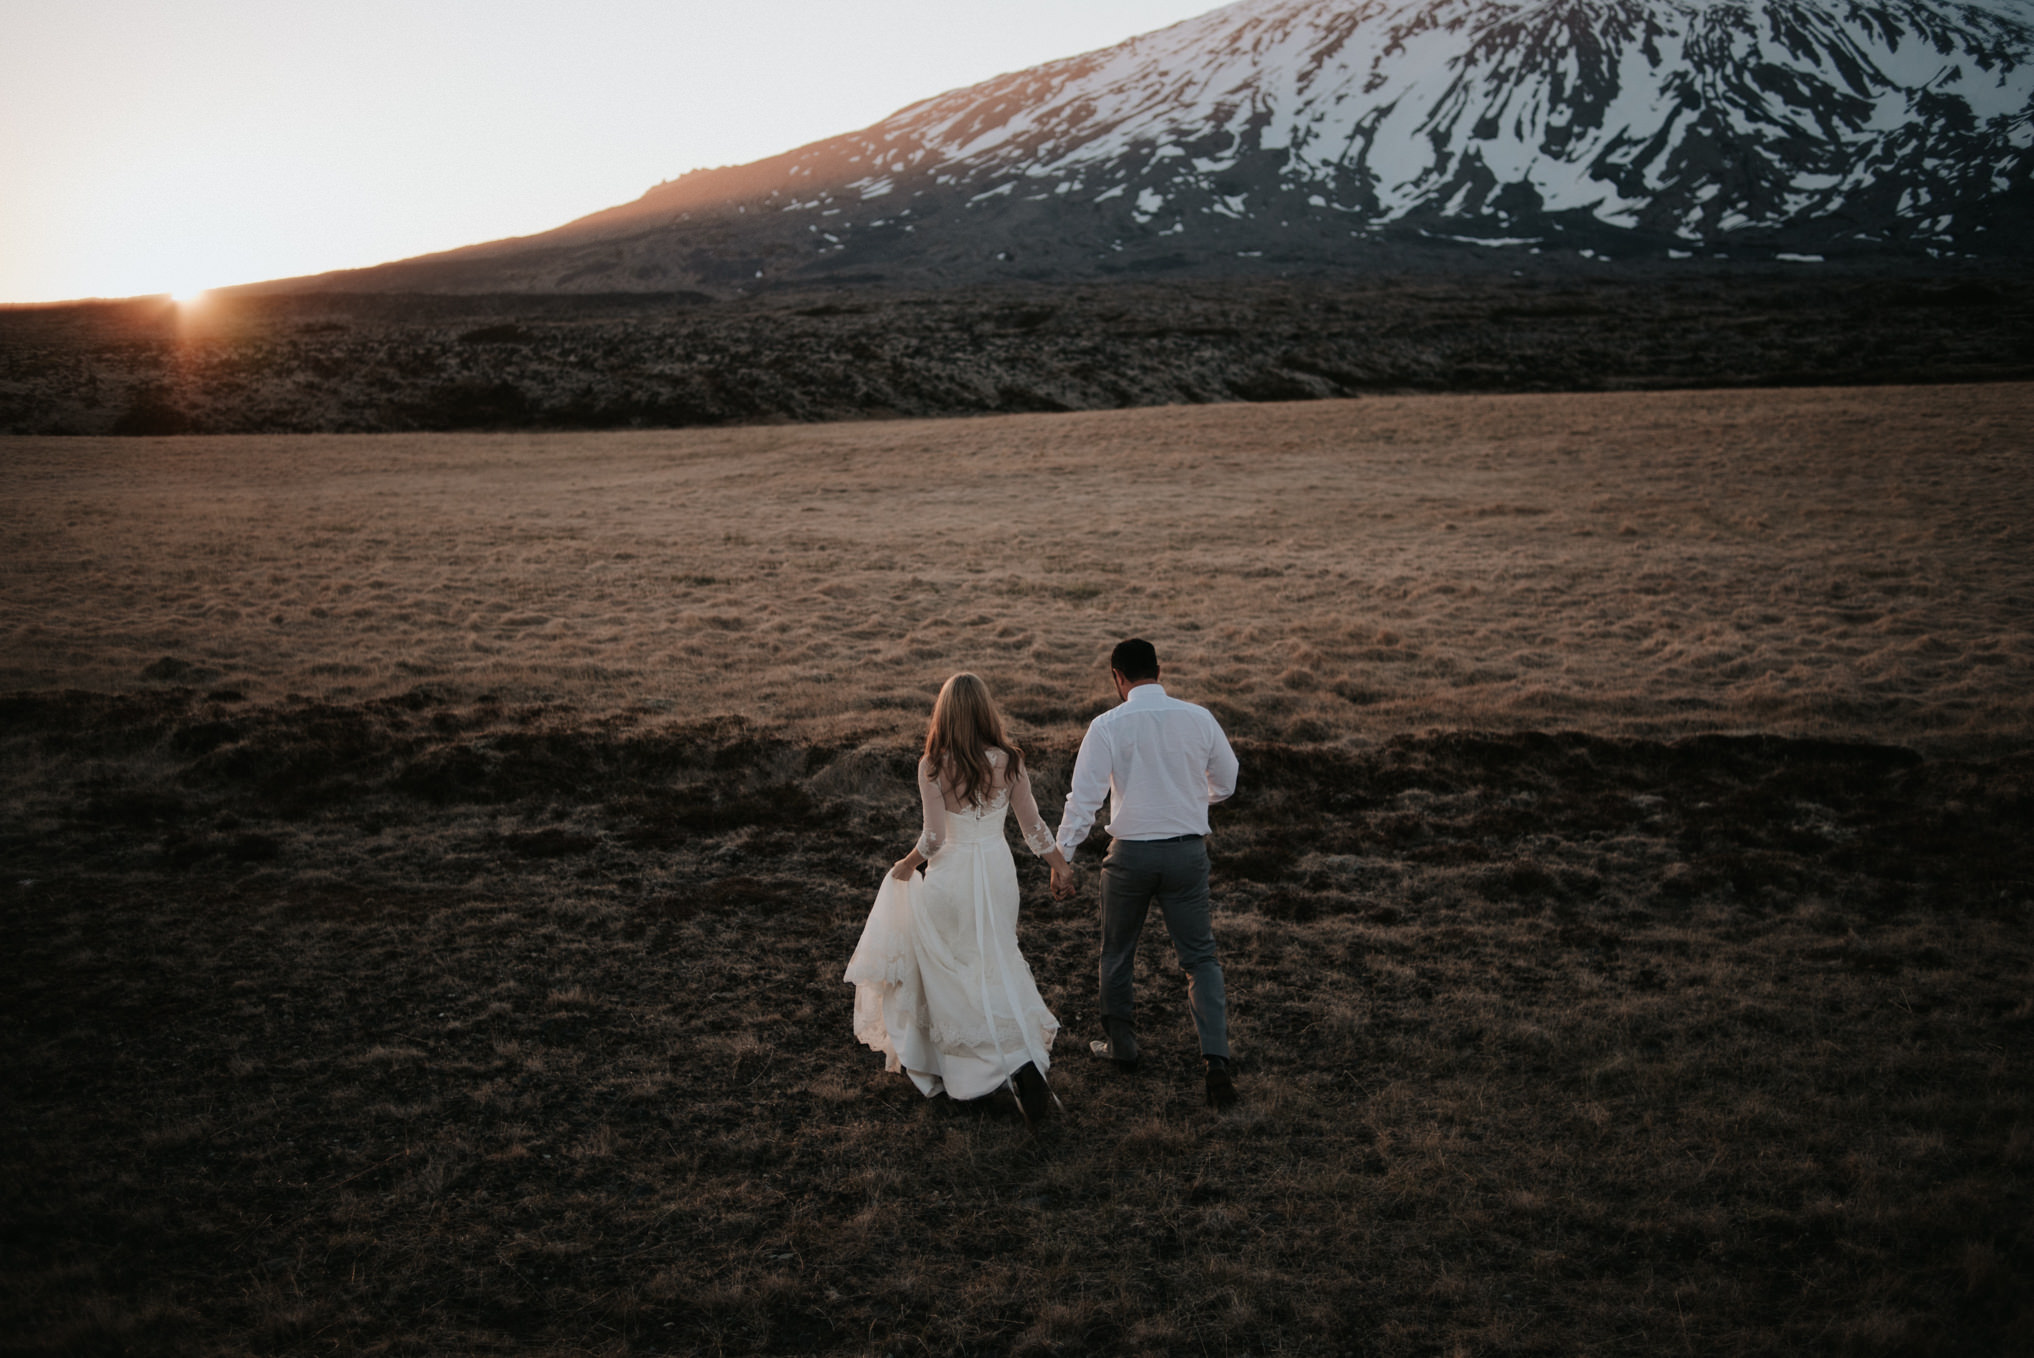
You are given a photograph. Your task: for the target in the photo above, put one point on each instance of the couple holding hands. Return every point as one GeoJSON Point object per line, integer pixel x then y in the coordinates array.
{"type": "Point", "coordinates": [941, 988]}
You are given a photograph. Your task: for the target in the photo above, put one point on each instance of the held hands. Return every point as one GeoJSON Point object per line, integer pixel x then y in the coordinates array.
{"type": "Point", "coordinates": [1062, 880]}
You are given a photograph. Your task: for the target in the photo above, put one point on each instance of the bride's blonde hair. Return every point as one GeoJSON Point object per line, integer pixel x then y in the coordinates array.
{"type": "Point", "coordinates": [965, 726]}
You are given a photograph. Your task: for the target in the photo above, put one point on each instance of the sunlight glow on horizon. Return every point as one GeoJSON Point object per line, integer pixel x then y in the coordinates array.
{"type": "Point", "coordinates": [235, 142]}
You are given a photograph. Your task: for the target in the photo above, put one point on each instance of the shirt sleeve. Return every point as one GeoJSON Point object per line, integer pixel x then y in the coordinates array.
{"type": "Point", "coordinates": [1084, 796]}
{"type": "Point", "coordinates": [1037, 837]}
{"type": "Point", "coordinates": [933, 835]}
{"type": "Point", "coordinates": [1221, 767]}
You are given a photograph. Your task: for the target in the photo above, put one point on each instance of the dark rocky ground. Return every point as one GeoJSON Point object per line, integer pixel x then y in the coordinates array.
{"type": "Point", "coordinates": [245, 363]}
{"type": "Point", "coordinates": [430, 1026]}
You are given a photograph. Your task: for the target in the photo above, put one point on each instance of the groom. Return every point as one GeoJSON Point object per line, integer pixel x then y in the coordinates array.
{"type": "Point", "coordinates": [1161, 762]}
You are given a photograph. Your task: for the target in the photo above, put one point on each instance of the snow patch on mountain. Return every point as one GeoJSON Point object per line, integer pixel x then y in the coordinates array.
{"type": "Point", "coordinates": [1675, 117]}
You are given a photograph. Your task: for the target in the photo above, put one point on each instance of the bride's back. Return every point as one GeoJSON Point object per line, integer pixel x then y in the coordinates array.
{"type": "Point", "coordinates": [994, 798]}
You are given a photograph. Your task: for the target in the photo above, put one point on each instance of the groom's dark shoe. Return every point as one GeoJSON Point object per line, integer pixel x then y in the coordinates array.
{"type": "Point", "coordinates": [1221, 1085]}
{"type": "Point", "coordinates": [1120, 1047]}
{"type": "Point", "coordinates": [1032, 1095]}
{"type": "Point", "coordinates": [1107, 1052]}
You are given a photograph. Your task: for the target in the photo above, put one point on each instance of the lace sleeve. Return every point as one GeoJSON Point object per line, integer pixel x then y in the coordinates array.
{"type": "Point", "coordinates": [1037, 837]}
{"type": "Point", "coordinates": [929, 795]}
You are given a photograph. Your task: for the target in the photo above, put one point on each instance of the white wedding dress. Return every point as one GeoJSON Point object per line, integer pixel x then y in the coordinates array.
{"type": "Point", "coordinates": [940, 986]}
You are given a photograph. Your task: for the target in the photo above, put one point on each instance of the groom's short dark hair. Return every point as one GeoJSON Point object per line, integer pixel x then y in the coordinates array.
{"type": "Point", "coordinates": [1134, 659]}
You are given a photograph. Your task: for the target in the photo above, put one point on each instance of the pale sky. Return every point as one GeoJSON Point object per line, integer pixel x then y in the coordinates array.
{"type": "Point", "coordinates": [154, 146]}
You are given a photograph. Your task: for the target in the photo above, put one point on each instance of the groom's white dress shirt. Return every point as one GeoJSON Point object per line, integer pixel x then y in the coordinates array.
{"type": "Point", "coordinates": [1161, 762]}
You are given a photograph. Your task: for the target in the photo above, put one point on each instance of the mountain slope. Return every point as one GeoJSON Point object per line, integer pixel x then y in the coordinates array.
{"type": "Point", "coordinates": [1278, 133]}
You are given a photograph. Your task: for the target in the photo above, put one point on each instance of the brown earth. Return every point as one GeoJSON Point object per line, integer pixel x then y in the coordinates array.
{"type": "Point", "coordinates": [247, 363]}
{"type": "Point", "coordinates": [1626, 905]}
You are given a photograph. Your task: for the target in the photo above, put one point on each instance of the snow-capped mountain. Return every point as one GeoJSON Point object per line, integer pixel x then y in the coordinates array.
{"type": "Point", "coordinates": [1307, 131]}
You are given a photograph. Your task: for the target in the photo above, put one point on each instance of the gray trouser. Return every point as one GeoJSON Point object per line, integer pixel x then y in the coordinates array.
{"type": "Point", "coordinates": [1173, 873]}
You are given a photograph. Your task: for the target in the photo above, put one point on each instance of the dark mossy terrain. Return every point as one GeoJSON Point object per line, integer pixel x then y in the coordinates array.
{"type": "Point", "coordinates": [248, 363]}
{"type": "Point", "coordinates": [438, 1024]}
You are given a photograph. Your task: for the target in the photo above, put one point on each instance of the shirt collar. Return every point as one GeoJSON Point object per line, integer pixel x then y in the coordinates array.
{"type": "Point", "coordinates": [1145, 693]}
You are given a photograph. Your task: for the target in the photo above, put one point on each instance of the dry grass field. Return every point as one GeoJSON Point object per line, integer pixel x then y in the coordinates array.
{"type": "Point", "coordinates": [1855, 562]}
{"type": "Point", "coordinates": [427, 863]}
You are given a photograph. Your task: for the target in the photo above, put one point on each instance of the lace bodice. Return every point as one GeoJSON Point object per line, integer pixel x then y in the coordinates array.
{"type": "Point", "coordinates": [948, 823]}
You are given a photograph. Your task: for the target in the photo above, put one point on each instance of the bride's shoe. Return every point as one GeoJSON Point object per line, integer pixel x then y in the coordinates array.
{"type": "Point", "coordinates": [1031, 1095]}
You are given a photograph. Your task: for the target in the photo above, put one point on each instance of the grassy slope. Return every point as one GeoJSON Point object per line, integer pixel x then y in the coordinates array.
{"type": "Point", "coordinates": [1794, 562]}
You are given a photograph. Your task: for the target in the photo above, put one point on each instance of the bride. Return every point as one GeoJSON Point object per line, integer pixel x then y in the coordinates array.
{"type": "Point", "coordinates": [940, 987]}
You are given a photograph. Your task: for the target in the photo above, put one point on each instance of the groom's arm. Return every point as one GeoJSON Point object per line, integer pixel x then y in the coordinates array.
{"type": "Point", "coordinates": [1221, 766]}
{"type": "Point", "coordinates": [1084, 796]}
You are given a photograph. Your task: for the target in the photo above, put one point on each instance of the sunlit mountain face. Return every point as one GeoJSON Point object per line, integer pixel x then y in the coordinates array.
{"type": "Point", "coordinates": [1275, 133]}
